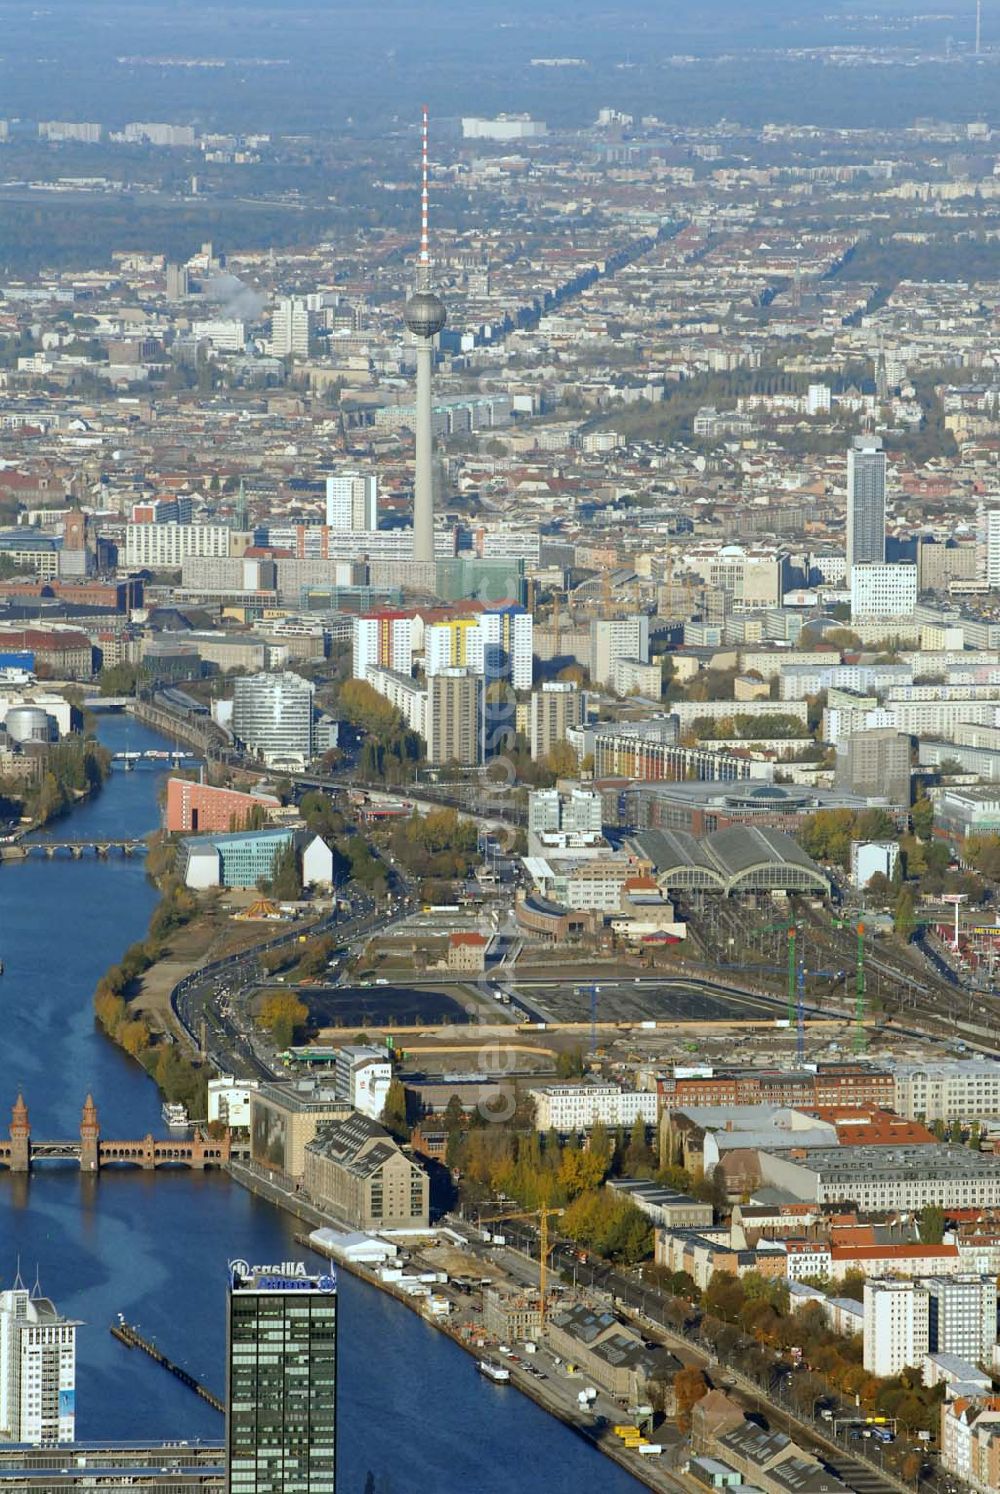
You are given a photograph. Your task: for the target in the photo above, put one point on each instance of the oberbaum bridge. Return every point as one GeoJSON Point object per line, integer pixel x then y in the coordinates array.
{"type": "Point", "coordinates": [92, 1151]}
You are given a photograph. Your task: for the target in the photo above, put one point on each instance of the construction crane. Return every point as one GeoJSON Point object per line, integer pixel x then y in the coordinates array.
{"type": "Point", "coordinates": [543, 1215]}
{"type": "Point", "coordinates": [859, 980]}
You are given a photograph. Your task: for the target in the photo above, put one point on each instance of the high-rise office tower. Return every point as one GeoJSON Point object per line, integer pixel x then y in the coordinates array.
{"type": "Point", "coordinates": [291, 328]}
{"type": "Point", "coordinates": [281, 1402]}
{"type": "Point", "coordinates": [273, 716]}
{"type": "Point", "coordinates": [37, 1368]}
{"type": "Point", "coordinates": [352, 501]}
{"type": "Point", "coordinates": [865, 502]}
{"type": "Point", "coordinates": [425, 316]}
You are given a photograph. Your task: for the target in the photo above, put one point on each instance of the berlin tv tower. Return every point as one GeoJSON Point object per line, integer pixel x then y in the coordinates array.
{"type": "Point", "coordinates": [425, 316]}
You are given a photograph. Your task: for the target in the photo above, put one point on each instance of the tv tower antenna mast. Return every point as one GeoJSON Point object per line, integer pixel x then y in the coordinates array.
{"type": "Point", "coordinates": [979, 27]}
{"type": "Point", "coordinates": [425, 317]}
{"type": "Point", "coordinates": [424, 266]}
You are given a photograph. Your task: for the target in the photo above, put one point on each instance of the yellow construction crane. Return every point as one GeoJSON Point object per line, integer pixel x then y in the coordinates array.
{"type": "Point", "coordinates": [543, 1215]}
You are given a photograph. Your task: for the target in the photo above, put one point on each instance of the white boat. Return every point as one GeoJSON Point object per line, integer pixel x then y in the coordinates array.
{"type": "Point", "coordinates": [498, 1373]}
{"type": "Point", "coordinates": [175, 1115]}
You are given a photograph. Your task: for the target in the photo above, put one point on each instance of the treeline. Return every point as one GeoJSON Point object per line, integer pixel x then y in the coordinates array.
{"type": "Point", "coordinates": [74, 767]}
{"type": "Point", "coordinates": [353, 859]}
{"type": "Point", "coordinates": [391, 752]}
{"type": "Point", "coordinates": [179, 1080]}
{"type": "Point", "coordinates": [746, 1319]}
{"type": "Point", "coordinates": [750, 728]}
{"type": "Point", "coordinates": [923, 866]}
{"type": "Point", "coordinates": [508, 1156]}
{"type": "Point", "coordinates": [438, 844]}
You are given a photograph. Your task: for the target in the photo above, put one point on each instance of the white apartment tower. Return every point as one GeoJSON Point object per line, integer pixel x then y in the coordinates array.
{"type": "Point", "coordinates": [617, 638]}
{"type": "Point", "coordinates": [352, 501]}
{"type": "Point", "coordinates": [37, 1369]}
{"type": "Point", "coordinates": [555, 709]}
{"type": "Point", "coordinates": [865, 502]}
{"type": "Point", "coordinates": [883, 590]}
{"type": "Point", "coordinates": [508, 644]}
{"type": "Point", "coordinates": [962, 1316]}
{"type": "Point", "coordinates": [988, 537]}
{"type": "Point", "coordinates": [896, 1326]}
{"type": "Point", "coordinates": [383, 640]}
{"type": "Point", "coordinates": [291, 328]}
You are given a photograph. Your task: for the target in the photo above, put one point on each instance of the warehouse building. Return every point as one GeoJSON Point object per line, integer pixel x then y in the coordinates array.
{"type": "Point", "coordinates": [354, 1168]}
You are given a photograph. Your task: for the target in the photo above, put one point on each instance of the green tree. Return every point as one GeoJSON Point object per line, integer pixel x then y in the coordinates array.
{"type": "Point", "coordinates": [931, 1224]}
{"type": "Point", "coordinates": [394, 1114]}
{"type": "Point", "coordinates": [600, 1143]}
{"type": "Point", "coordinates": [922, 817]}
{"type": "Point", "coordinates": [286, 878]}
{"type": "Point", "coordinates": [569, 1063]}
{"type": "Point", "coordinates": [905, 914]}
{"type": "Point", "coordinates": [638, 1161]}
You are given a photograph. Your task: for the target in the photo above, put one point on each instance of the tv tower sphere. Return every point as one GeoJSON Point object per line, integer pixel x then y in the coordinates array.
{"type": "Point", "coordinates": [425, 314]}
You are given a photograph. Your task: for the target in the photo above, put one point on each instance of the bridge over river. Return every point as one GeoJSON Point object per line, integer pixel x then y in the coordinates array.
{"type": "Point", "coordinates": [91, 1151]}
{"type": "Point", "coordinates": [98, 845]}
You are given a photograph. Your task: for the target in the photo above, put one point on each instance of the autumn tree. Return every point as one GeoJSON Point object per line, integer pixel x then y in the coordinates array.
{"type": "Point", "coordinates": [724, 1296]}
{"type": "Point", "coordinates": [580, 1171]}
{"type": "Point", "coordinates": [281, 1012]}
{"type": "Point", "coordinates": [690, 1386]}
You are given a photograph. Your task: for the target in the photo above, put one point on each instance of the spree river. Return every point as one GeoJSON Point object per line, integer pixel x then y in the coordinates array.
{"type": "Point", "coordinates": [412, 1408]}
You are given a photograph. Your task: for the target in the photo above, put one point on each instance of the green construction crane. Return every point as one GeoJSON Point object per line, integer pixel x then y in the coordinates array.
{"type": "Point", "coordinates": [859, 980]}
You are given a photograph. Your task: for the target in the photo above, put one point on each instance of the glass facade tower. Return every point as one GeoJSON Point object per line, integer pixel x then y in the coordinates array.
{"type": "Point", "coordinates": [865, 503]}
{"type": "Point", "coordinates": [281, 1404]}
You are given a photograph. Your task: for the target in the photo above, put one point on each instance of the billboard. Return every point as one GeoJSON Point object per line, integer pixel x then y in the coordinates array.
{"type": "Point", "coordinates": [268, 1136]}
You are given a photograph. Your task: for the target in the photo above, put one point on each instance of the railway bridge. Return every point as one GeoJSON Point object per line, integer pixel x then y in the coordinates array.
{"type": "Point", "coordinates": [100, 846]}
{"type": "Point", "coordinates": [91, 1151]}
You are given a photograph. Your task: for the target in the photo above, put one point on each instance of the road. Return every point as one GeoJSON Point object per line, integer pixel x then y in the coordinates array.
{"type": "Point", "coordinates": [217, 993]}
{"type": "Point", "coordinates": [649, 1306]}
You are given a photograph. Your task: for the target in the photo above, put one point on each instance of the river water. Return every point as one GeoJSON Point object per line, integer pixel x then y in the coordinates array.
{"type": "Point", "coordinates": [412, 1408]}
